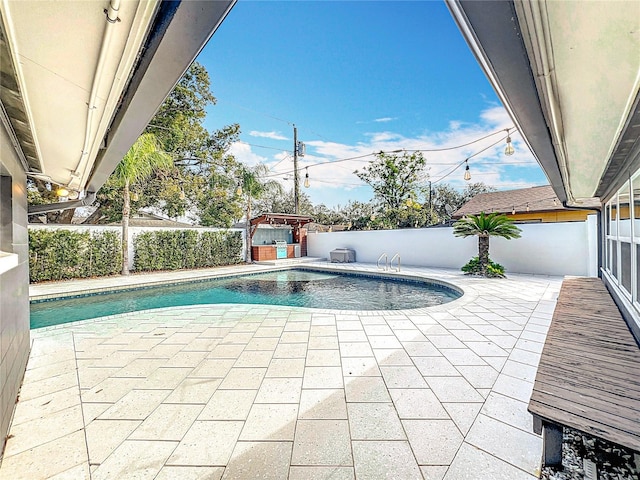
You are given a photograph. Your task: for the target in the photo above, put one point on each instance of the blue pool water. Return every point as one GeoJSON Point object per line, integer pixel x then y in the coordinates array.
{"type": "Point", "coordinates": [301, 288]}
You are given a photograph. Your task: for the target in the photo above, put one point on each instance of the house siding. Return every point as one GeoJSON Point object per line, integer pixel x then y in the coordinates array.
{"type": "Point", "coordinates": [553, 216]}
{"type": "Point", "coordinates": [14, 283]}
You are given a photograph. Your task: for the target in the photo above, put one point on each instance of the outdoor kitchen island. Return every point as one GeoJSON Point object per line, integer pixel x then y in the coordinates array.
{"type": "Point", "coordinates": [276, 236]}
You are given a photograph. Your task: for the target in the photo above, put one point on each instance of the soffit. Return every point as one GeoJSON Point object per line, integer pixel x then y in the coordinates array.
{"type": "Point", "coordinates": [585, 57]}
{"type": "Point", "coordinates": [56, 47]}
{"type": "Point", "coordinates": [581, 119]}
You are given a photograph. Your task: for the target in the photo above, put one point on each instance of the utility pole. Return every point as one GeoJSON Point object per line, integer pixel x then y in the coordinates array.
{"type": "Point", "coordinates": [296, 179]}
{"type": "Point", "coordinates": [430, 206]}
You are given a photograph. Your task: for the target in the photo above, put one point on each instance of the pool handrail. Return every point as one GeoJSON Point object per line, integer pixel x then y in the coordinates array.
{"type": "Point", "coordinates": [397, 255]}
{"type": "Point", "coordinates": [386, 262]}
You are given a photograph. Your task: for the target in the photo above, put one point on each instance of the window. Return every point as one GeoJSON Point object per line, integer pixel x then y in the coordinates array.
{"type": "Point", "coordinates": [8, 259]}
{"type": "Point", "coordinates": [6, 214]}
{"type": "Point", "coordinates": [622, 242]}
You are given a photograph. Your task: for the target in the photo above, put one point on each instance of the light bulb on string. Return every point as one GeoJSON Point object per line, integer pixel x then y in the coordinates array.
{"type": "Point", "coordinates": [467, 173]}
{"type": "Point", "coordinates": [306, 178]}
{"type": "Point", "coordinates": [239, 190]}
{"type": "Point", "coordinates": [182, 195]}
{"type": "Point", "coordinates": [513, 211]}
{"type": "Point", "coordinates": [509, 150]}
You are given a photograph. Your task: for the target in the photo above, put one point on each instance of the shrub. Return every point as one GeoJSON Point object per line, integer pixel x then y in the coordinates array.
{"type": "Point", "coordinates": [64, 254]}
{"type": "Point", "coordinates": [106, 254]}
{"type": "Point", "coordinates": [177, 249]}
{"type": "Point", "coordinates": [473, 267]}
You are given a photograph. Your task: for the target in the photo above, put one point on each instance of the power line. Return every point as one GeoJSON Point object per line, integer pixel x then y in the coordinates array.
{"type": "Point", "coordinates": [261, 146]}
{"type": "Point", "coordinates": [425, 150]}
{"type": "Point", "coordinates": [444, 149]}
{"type": "Point", "coordinates": [258, 112]}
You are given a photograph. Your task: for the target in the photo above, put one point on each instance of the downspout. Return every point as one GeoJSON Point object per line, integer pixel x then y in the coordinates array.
{"type": "Point", "coordinates": [599, 235]}
{"type": "Point", "coordinates": [56, 207]}
{"type": "Point", "coordinates": [111, 15]}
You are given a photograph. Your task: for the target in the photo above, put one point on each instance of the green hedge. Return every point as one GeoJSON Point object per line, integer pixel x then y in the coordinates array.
{"type": "Point", "coordinates": [64, 254]}
{"type": "Point", "coordinates": [176, 249]}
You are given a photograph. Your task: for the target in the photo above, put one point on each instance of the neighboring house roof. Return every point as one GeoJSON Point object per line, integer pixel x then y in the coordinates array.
{"type": "Point", "coordinates": [146, 219]}
{"type": "Point", "coordinates": [534, 199]}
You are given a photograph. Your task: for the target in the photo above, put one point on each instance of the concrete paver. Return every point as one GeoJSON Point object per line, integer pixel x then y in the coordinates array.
{"type": "Point", "coordinates": [260, 391]}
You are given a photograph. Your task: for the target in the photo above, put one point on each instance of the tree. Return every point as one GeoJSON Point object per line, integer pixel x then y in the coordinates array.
{"type": "Point", "coordinates": [279, 201]}
{"type": "Point", "coordinates": [446, 199]}
{"type": "Point", "coordinates": [395, 179]}
{"type": "Point", "coordinates": [484, 226]}
{"type": "Point", "coordinates": [252, 186]}
{"type": "Point", "coordinates": [329, 216]}
{"type": "Point", "coordinates": [178, 124]}
{"type": "Point", "coordinates": [138, 164]}
{"type": "Point", "coordinates": [201, 182]}
{"type": "Point", "coordinates": [359, 214]}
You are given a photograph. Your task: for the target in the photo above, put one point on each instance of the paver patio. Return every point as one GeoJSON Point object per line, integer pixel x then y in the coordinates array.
{"type": "Point", "coordinates": [259, 391]}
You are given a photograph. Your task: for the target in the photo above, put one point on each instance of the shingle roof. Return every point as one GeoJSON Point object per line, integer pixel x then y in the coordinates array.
{"type": "Point", "coordinates": [538, 199]}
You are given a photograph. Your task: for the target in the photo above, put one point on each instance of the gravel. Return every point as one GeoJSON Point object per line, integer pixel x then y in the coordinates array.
{"type": "Point", "coordinates": [613, 462]}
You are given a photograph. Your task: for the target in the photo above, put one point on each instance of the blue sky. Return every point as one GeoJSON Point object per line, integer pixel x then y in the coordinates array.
{"type": "Point", "coordinates": [357, 77]}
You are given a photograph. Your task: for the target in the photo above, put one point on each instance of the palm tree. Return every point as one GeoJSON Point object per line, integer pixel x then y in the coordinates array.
{"type": "Point", "coordinates": [139, 163]}
{"type": "Point", "coordinates": [253, 187]}
{"type": "Point", "coordinates": [485, 226]}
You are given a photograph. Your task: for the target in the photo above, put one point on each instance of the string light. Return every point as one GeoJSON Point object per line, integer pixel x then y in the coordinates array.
{"type": "Point", "coordinates": [513, 210]}
{"type": "Point", "coordinates": [467, 173]}
{"type": "Point", "coordinates": [306, 178]}
{"type": "Point", "coordinates": [509, 150]}
{"type": "Point", "coordinates": [182, 195]}
{"type": "Point", "coordinates": [426, 150]}
{"type": "Point", "coordinates": [135, 197]}
{"type": "Point", "coordinates": [62, 192]}
{"type": "Point", "coordinates": [239, 190]}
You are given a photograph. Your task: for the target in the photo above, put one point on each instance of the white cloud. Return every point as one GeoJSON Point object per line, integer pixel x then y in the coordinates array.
{"type": "Point", "coordinates": [333, 179]}
{"type": "Point", "coordinates": [385, 119]}
{"type": "Point", "coordinates": [272, 135]}
{"type": "Point", "coordinates": [242, 151]}
{"type": "Point", "coordinates": [496, 116]}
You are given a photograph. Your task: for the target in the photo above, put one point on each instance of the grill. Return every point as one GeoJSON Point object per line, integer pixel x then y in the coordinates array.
{"type": "Point", "coordinates": [281, 249]}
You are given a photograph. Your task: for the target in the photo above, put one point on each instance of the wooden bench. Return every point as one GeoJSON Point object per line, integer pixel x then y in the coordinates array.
{"type": "Point", "coordinates": [589, 373]}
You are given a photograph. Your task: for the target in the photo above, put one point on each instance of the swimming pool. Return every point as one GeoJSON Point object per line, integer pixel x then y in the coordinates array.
{"type": "Point", "coordinates": [302, 288]}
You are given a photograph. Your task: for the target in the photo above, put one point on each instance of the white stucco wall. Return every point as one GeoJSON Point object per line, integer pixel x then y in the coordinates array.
{"type": "Point", "coordinates": [544, 248]}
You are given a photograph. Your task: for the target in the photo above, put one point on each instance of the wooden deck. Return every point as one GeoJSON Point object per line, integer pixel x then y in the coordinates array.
{"type": "Point", "coordinates": [589, 372]}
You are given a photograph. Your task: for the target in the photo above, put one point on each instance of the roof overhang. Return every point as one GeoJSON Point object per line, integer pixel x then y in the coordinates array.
{"type": "Point", "coordinates": [293, 220]}
{"type": "Point", "coordinates": [569, 75]}
{"type": "Point", "coordinates": [81, 80]}
{"type": "Point", "coordinates": [281, 219]}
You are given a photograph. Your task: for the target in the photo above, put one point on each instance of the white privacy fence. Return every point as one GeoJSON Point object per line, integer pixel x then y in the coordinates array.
{"type": "Point", "coordinates": [566, 248]}
{"type": "Point", "coordinates": [133, 232]}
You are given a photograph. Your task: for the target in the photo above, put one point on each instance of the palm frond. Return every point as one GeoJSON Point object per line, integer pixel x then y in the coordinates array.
{"type": "Point", "coordinates": [491, 225]}
{"type": "Point", "coordinates": [143, 158]}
